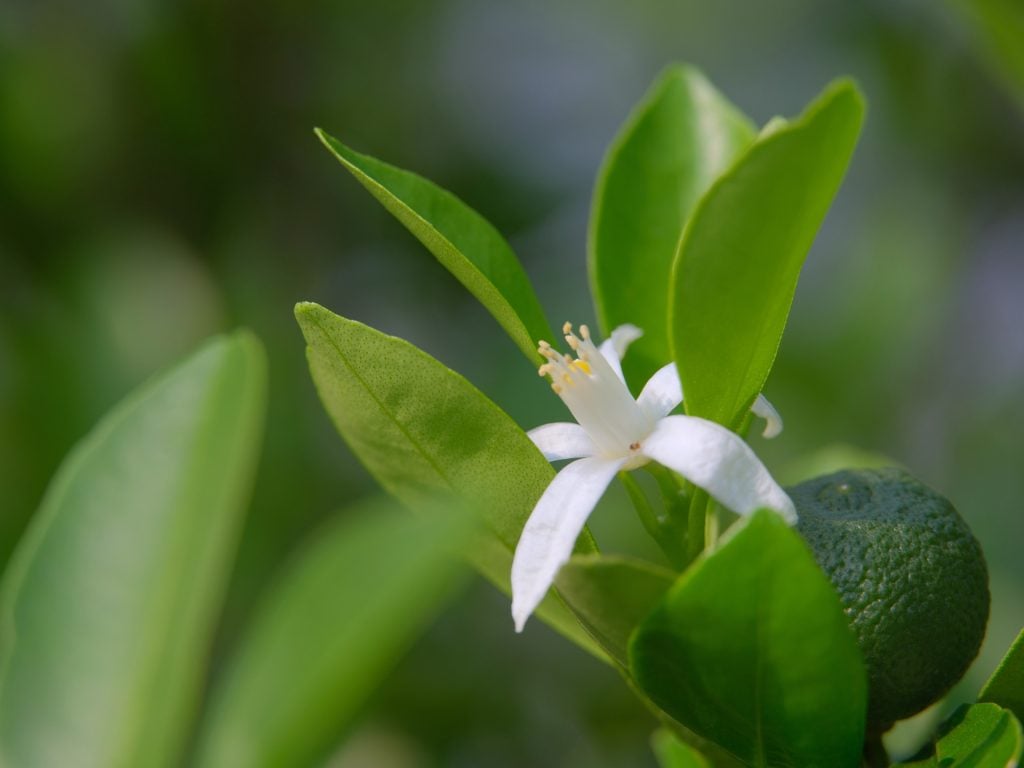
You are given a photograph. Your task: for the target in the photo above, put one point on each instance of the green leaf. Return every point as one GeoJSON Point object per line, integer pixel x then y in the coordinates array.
{"type": "Point", "coordinates": [1006, 686]}
{"type": "Point", "coordinates": [461, 239]}
{"type": "Point", "coordinates": [977, 736]}
{"type": "Point", "coordinates": [677, 141]}
{"type": "Point", "coordinates": [998, 30]}
{"type": "Point", "coordinates": [611, 595]}
{"type": "Point", "coordinates": [750, 649]}
{"type": "Point", "coordinates": [740, 257]}
{"type": "Point", "coordinates": [673, 753]}
{"type": "Point", "coordinates": [348, 605]}
{"type": "Point", "coordinates": [421, 429]}
{"type": "Point", "coordinates": [109, 606]}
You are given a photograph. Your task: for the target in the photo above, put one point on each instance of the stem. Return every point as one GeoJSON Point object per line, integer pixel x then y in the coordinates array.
{"type": "Point", "coordinates": [675, 497]}
{"type": "Point", "coordinates": [643, 507]}
{"type": "Point", "coordinates": [660, 528]}
{"type": "Point", "coordinates": [875, 755]}
{"type": "Point", "coordinates": [698, 515]}
{"type": "Point", "coordinates": [712, 525]}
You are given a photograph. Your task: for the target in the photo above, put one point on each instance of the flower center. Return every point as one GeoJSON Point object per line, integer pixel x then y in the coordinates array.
{"type": "Point", "coordinates": [596, 396]}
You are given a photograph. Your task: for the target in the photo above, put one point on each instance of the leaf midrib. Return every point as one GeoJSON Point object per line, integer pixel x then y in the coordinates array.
{"type": "Point", "coordinates": [384, 409]}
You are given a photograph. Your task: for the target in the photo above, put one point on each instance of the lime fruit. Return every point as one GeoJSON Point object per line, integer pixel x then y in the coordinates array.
{"type": "Point", "coordinates": [911, 578]}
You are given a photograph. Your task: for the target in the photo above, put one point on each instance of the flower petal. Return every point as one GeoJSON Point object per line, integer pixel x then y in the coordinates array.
{"type": "Point", "coordinates": [662, 392]}
{"type": "Point", "coordinates": [772, 419]}
{"type": "Point", "coordinates": [717, 460]}
{"type": "Point", "coordinates": [613, 349]}
{"type": "Point", "coordinates": [550, 533]}
{"type": "Point", "coordinates": [562, 440]}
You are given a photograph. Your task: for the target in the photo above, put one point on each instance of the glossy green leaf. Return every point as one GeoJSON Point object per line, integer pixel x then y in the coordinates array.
{"type": "Point", "coordinates": [421, 429]}
{"type": "Point", "coordinates": [611, 595]}
{"type": "Point", "coordinates": [976, 736]}
{"type": "Point", "coordinates": [677, 141]}
{"type": "Point", "coordinates": [1006, 686]}
{"type": "Point", "coordinates": [673, 753]}
{"type": "Point", "coordinates": [461, 239]}
{"type": "Point", "coordinates": [110, 603]}
{"type": "Point", "coordinates": [750, 649]}
{"type": "Point", "coordinates": [348, 605]}
{"type": "Point", "coordinates": [740, 257]}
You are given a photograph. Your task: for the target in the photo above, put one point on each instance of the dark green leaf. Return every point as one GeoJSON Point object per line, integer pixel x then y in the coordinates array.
{"type": "Point", "coordinates": [109, 605]}
{"type": "Point", "coordinates": [1006, 686]}
{"type": "Point", "coordinates": [421, 429]}
{"type": "Point", "coordinates": [740, 257]}
{"type": "Point", "coordinates": [611, 595]}
{"type": "Point", "coordinates": [750, 649]}
{"type": "Point", "coordinates": [678, 140]}
{"type": "Point", "coordinates": [333, 626]}
{"type": "Point", "coordinates": [460, 238]}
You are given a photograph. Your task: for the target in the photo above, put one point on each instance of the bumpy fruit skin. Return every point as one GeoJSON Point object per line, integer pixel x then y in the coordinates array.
{"type": "Point", "coordinates": [911, 577]}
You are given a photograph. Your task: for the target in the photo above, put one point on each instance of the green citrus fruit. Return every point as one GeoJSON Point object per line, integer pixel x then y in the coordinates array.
{"type": "Point", "coordinates": [911, 578]}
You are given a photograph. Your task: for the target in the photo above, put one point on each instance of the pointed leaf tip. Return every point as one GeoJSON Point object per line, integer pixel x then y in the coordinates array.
{"type": "Point", "coordinates": [737, 266]}
{"type": "Point", "coordinates": [462, 241]}
{"type": "Point", "coordinates": [673, 145]}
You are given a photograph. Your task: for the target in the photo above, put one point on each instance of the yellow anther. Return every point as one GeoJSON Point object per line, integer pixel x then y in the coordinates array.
{"type": "Point", "coordinates": [557, 389]}
{"type": "Point", "coordinates": [567, 328]}
{"type": "Point", "coordinates": [585, 332]}
{"type": "Point", "coordinates": [584, 366]}
{"type": "Point", "coordinates": [566, 378]}
{"type": "Point", "coordinates": [573, 342]}
{"type": "Point", "coordinates": [543, 344]}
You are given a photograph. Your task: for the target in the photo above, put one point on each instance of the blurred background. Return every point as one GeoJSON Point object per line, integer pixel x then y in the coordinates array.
{"type": "Point", "coordinates": [160, 182]}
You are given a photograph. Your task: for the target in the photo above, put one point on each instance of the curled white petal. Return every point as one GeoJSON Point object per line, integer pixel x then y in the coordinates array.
{"type": "Point", "coordinates": [717, 460]}
{"type": "Point", "coordinates": [772, 419]}
{"type": "Point", "coordinates": [562, 440]}
{"type": "Point", "coordinates": [550, 533]}
{"type": "Point", "coordinates": [613, 349]}
{"type": "Point", "coordinates": [662, 392]}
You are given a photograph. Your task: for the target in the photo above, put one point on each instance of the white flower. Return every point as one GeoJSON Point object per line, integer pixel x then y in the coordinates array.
{"type": "Point", "coordinates": [615, 432]}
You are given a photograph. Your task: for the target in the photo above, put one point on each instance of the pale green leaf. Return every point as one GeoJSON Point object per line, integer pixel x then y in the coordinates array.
{"type": "Point", "coordinates": [673, 753]}
{"type": "Point", "coordinates": [334, 624]}
{"type": "Point", "coordinates": [740, 257]}
{"type": "Point", "coordinates": [976, 736]}
{"type": "Point", "coordinates": [421, 429]}
{"type": "Point", "coordinates": [109, 605]}
{"type": "Point", "coordinates": [1006, 686]}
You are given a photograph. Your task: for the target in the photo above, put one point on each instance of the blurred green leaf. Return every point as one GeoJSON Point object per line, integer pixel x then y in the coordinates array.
{"type": "Point", "coordinates": [677, 141]}
{"type": "Point", "coordinates": [976, 736]}
{"type": "Point", "coordinates": [109, 605]}
{"type": "Point", "coordinates": [672, 753]}
{"type": "Point", "coordinates": [831, 458]}
{"type": "Point", "coordinates": [611, 595]}
{"type": "Point", "coordinates": [461, 239]}
{"type": "Point", "coordinates": [740, 257]}
{"type": "Point", "coordinates": [346, 608]}
{"type": "Point", "coordinates": [1006, 686]}
{"type": "Point", "coordinates": [751, 649]}
{"type": "Point", "coordinates": [1000, 29]}
{"type": "Point", "coordinates": [421, 429]}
